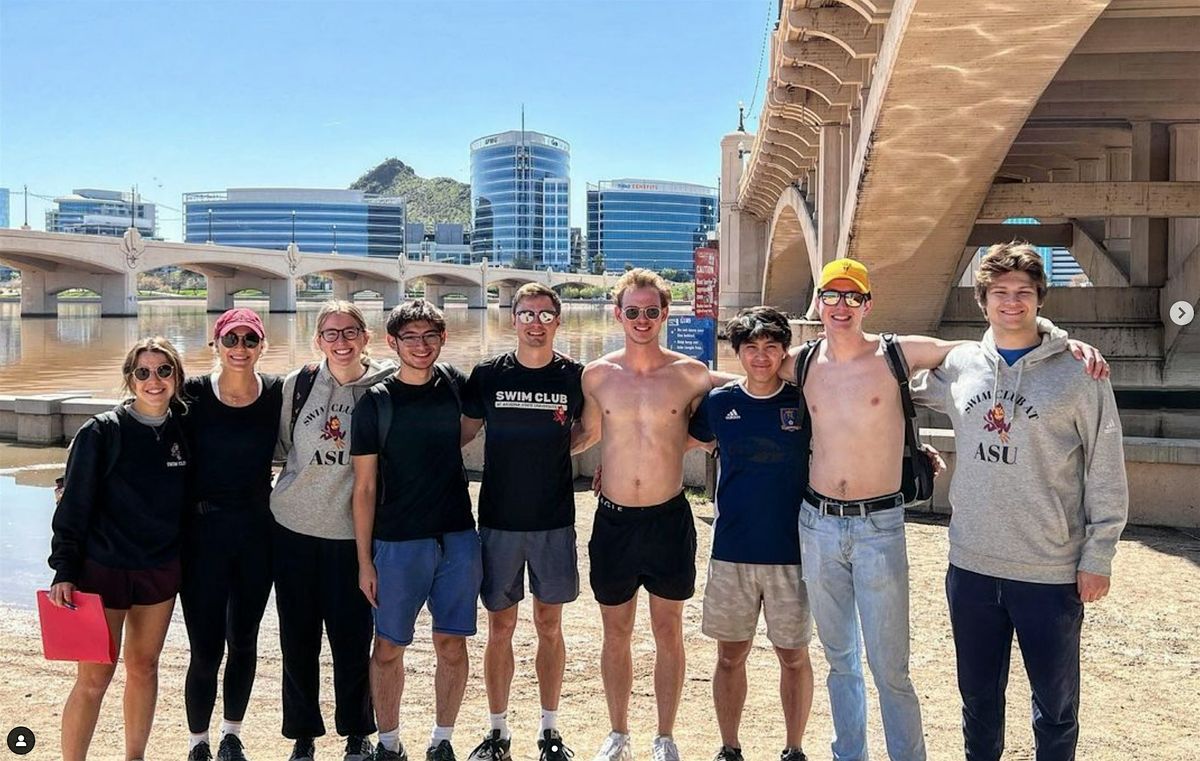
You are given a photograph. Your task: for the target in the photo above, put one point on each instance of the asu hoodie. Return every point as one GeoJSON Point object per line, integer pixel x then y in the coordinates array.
{"type": "Point", "coordinates": [312, 495]}
{"type": "Point", "coordinates": [1039, 487]}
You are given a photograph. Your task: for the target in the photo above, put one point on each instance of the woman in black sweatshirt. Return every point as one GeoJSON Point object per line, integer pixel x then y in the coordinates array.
{"type": "Point", "coordinates": [116, 534]}
{"type": "Point", "coordinates": [232, 425]}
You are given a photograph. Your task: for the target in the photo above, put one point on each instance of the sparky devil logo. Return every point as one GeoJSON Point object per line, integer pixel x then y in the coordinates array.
{"type": "Point", "coordinates": [333, 432]}
{"type": "Point", "coordinates": [560, 415]}
{"type": "Point", "coordinates": [994, 422]}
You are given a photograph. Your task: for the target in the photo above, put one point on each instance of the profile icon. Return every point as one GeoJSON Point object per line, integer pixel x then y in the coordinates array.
{"type": "Point", "coordinates": [21, 740]}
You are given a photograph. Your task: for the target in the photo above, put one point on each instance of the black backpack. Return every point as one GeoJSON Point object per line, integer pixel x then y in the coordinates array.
{"type": "Point", "coordinates": [916, 475]}
{"type": "Point", "coordinates": [383, 401]}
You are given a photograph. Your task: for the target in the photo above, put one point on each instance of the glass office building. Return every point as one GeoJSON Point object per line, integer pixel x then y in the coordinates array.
{"type": "Point", "coordinates": [648, 223]}
{"type": "Point", "coordinates": [88, 211]}
{"type": "Point", "coordinates": [4, 216]}
{"type": "Point", "coordinates": [349, 222]}
{"type": "Point", "coordinates": [520, 183]}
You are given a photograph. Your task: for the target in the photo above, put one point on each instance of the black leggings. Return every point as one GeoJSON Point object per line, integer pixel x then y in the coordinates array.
{"type": "Point", "coordinates": [226, 583]}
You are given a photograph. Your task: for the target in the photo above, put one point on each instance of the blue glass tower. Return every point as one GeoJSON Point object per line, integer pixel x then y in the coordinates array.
{"type": "Point", "coordinates": [648, 223]}
{"type": "Point", "coordinates": [520, 182]}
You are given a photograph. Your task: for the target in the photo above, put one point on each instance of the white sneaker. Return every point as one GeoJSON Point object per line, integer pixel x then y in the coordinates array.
{"type": "Point", "coordinates": [615, 748]}
{"type": "Point", "coordinates": [664, 749]}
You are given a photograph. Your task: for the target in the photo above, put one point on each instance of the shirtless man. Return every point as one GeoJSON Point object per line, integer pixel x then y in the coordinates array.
{"type": "Point", "coordinates": [852, 517]}
{"type": "Point", "coordinates": [640, 398]}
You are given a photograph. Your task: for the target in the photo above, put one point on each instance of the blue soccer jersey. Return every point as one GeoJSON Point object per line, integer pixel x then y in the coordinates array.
{"type": "Point", "coordinates": [762, 472]}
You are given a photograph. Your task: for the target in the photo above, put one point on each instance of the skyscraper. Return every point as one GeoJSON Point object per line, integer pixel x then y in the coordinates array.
{"type": "Point", "coordinates": [520, 183]}
{"type": "Point", "coordinates": [648, 223]}
{"type": "Point", "coordinates": [88, 211]}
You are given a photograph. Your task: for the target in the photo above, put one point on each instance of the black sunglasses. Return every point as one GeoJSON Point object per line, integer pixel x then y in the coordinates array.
{"type": "Point", "coordinates": [853, 299]}
{"type": "Point", "coordinates": [162, 371]}
{"type": "Point", "coordinates": [632, 313]}
{"type": "Point", "coordinates": [249, 340]}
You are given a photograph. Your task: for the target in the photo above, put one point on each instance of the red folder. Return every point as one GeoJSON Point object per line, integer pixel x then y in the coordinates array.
{"type": "Point", "coordinates": [76, 635]}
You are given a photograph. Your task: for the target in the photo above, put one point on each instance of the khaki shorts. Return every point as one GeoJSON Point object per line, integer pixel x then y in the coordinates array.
{"type": "Point", "coordinates": [736, 591]}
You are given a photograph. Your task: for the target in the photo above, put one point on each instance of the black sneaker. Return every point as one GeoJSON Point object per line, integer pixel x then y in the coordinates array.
{"type": "Point", "coordinates": [231, 749]}
{"type": "Point", "coordinates": [792, 754]}
{"type": "Point", "coordinates": [200, 753]}
{"type": "Point", "coordinates": [727, 753]}
{"type": "Point", "coordinates": [358, 748]}
{"type": "Point", "coordinates": [303, 750]}
{"type": "Point", "coordinates": [553, 748]}
{"type": "Point", "coordinates": [493, 748]}
{"type": "Point", "coordinates": [443, 752]}
{"type": "Point", "coordinates": [383, 754]}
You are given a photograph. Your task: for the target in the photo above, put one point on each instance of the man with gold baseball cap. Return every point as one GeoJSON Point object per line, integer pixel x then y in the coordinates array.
{"type": "Point", "coordinates": [845, 269]}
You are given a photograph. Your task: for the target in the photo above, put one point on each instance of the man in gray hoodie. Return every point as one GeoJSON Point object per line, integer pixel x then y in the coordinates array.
{"type": "Point", "coordinates": [1039, 500]}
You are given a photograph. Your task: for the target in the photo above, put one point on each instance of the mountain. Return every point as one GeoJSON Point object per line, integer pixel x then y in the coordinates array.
{"type": "Point", "coordinates": [430, 200]}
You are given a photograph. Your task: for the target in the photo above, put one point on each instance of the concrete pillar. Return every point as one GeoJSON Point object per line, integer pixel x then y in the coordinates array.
{"type": "Point", "coordinates": [1088, 170]}
{"type": "Point", "coordinates": [118, 295]}
{"type": "Point", "coordinates": [1183, 234]}
{"type": "Point", "coordinates": [1118, 168]}
{"type": "Point", "coordinates": [476, 297]}
{"type": "Point", "coordinates": [1064, 174]}
{"type": "Point", "coordinates": [1148, 235]}
{"type": "Point", "coordinates": [829, 186]}
{"type": "Point", "coordinates": [282, 294]}
{"type": "Point", "coordinates": [435, 294]}
{"type": "Point", "coordinates": [743, 241]}
{"type": "Point", "coordinates": [847, 159]}
{"type": "Point", "coordinates": [220, 293]}
{"type": "Point", "coordinates": [36, 300]}
{"type": "Point", "coordinates": [506, 295]}
{"type": "Point", "coordinates": [393, 294]}
{"type": "Point", "coordinates": [341, 289]}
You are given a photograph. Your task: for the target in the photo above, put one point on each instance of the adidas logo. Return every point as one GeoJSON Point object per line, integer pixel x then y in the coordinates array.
{"type": "Point", "coordinates": [733, 415]}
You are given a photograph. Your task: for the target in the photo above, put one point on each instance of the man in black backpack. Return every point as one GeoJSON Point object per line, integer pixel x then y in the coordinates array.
{"type": "Point", "coordinates": [416, 536]}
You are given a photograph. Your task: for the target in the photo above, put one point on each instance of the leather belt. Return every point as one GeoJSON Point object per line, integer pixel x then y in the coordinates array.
{"type": "Point", "coordinates": [859, 508]}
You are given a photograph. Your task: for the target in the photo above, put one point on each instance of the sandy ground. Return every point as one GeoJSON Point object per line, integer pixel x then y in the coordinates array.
{"type": "Point", "coordinates": [1141, 673]}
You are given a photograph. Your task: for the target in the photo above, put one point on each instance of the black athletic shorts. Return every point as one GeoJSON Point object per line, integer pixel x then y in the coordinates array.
{"type": "Point", "coordinates": [654, 547]}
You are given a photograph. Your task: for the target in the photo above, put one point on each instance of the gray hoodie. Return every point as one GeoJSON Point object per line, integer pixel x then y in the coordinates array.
{"type": "Point", "coordinates": [312, 494]}
{"type": "Point", "coordinates": [1039, 486]}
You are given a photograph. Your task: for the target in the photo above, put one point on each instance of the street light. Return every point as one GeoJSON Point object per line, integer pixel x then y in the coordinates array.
{"type": "Point", "coordinates": [335, 239]}
{"type": "Point", "coordinates": [210, 225]}
{"type": "Point", "coordinates": [293, 225]}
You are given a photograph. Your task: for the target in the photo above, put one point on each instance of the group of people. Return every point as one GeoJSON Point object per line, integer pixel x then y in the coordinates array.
{"type": "Point", "coordinates": [370, 520]}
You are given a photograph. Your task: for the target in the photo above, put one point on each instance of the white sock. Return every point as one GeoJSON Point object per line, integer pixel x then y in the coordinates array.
{"type": "Point", "coordinates": [500, 721]}
{"type": "Point", "coordinates": [391, 740]}
{"type": "Point", "coordinates": [549, 720]}
{"type": "Point", "coordinates": [231, 728]}
{"type": "Point", "coordinates": [439, 734]}
{"type": "Point", "coordinates": [196, 738]}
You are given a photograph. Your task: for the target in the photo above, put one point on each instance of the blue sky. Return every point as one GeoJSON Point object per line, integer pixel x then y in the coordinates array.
{"type": "Point", "coordinates": [203, 95]}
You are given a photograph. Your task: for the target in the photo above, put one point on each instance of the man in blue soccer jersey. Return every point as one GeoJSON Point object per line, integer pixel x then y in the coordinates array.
{"type": "Point", "coordinates": [755, 423]}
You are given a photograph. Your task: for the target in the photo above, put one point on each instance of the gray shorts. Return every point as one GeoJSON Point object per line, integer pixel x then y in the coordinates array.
{"type": "Point", "coordinates": [735, 592]}
{"type": "Point", "coordinates": [553, 566]}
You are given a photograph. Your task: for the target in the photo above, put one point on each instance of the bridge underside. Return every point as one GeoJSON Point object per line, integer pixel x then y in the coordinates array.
{"type": "Point", "coordinates": [929, 123]}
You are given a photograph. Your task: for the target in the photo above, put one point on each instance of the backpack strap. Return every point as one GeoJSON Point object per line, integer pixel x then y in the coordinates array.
{"type": "Point", "coordinates": [383, 405]}
{"type": "Point", "coordinates": [443, 369]}
{"type": "Point", "coordinates": [305, 381]}
{"type": "Point", "coordinates": [804, 360]}
{"type": "Point", "coordinates": [899, 367]}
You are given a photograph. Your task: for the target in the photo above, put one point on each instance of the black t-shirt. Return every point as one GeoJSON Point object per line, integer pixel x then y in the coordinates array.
{"type": "Point", "coordinates": [232, 447]}
{"type": "Point", "coordinates": [527, 452]}
{"type": "Point", "coordinates": [422, 486]}
{"type": "Point", "coordinates": [128, 517]}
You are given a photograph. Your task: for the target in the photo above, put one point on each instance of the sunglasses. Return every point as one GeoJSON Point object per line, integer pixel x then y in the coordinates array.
{"type": "Point", "coordinates": [330, 335]}
{"type": "Point", "coordinates": [249, 340]}
{"type": "Point", "coordinates": [632, 313]}
{"type": "Point", "coordinates": [413, 340]}
{"type": "Point", "coordinates": [162, 371]}
{"type": "Point", "coordinates": [853, 299]}
{"type": "Point", "coordinates": [526, 316]}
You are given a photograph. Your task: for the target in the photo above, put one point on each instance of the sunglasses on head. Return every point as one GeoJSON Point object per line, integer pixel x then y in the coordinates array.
{"type": "Point", "coordinates": [852, 298]}
{"type": "Point", "coordinates": [249, 340]}
{"type": "Point", "coordinates": [632, 313]}
{"type": "Point", "coordinates": [527, 316]}
{"type": "Point", "coordinates": [162, 371]}
{"type": "Point", "coordinates": [330, 335]}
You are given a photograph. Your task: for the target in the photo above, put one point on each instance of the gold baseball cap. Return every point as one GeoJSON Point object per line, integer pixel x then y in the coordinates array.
{"type": "Point", "coordinates": [845, 269]}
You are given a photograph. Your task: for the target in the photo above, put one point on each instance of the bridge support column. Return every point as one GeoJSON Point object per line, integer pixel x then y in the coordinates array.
{"type": "Point", "coordinates": [1148, 236]}
{"type": "Point", "coordinates": [220, 293]}
{"type": "Point", "coordinates": [118, 295]}
{"type": "Point", "coordinates": [506, 296]}
{"type": "Point", "coordinates": [1119, 168]}
{"type": "Point", "coordinates": [393, 294]}
{"type": "Point", "coordinates": [829, 192]}
{"type": "Point", "coordinates": [36, 298]}
{"type": "Point", "coordinates": [341, 289]}
{"type": "Point", "coordinates": [1183, 234]}
{"type": "Point", "coordinates": [743, 236]}
{"type": "Point", "coordinates": [282, 294]}
{"type": "Point", "coordinates": [476, 297]}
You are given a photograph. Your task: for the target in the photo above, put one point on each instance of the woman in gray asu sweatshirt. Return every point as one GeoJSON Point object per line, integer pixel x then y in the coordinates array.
{"type": "Point", "coordinates": [316, 565]}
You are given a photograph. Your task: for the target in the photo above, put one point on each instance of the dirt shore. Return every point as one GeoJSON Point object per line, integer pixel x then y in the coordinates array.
{"type": "Point", "coordinates": [1141, 672]}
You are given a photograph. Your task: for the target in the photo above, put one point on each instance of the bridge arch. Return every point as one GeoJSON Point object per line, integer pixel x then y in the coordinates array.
{"type": "Point", "coordinates": [792, 255]}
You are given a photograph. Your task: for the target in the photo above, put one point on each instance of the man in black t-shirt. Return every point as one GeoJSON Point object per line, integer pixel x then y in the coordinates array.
{"type": "Point", "coordinates": [529, 399]}
{"type": "Point", "coordinates": [416, 537]}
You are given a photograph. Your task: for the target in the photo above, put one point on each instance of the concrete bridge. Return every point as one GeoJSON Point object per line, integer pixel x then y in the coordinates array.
{"type": "Point", "coordinates": [51, 263]}
{"type": "Point", "coordinates": [903, 132]}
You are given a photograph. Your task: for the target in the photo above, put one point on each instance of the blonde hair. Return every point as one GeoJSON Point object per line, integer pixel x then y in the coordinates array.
{"type": "Point", "coordinates": [341, 306]}
{"type": "Point", "coordinates": [1002, 258]}
{"type": "Point", "coordinates": [163, 347]}
{"type": "Point", "coordinates": [642, 278]}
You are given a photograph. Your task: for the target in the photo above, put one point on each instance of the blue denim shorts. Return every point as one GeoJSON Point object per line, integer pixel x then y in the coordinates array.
{"type": "Point", "coordinates": [443, 572]}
